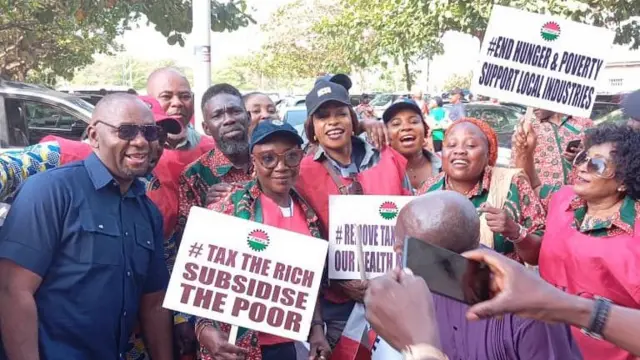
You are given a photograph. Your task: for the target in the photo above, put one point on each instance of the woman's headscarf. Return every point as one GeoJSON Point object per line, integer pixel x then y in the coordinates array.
{"type": "Point", "coordinates": [491, 135]}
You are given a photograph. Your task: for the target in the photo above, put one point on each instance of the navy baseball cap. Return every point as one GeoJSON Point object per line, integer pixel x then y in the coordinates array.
{"type": "Point", "coordinates": [267, 128]}
{"type": "Point", "coordinates": [400, 104]}
{"type": "Point", "coordinates": [340, 79]}
{"type": "Point", "coordinates": [631, 105]}
{"type": "Point", "coordinates": [323, 92]}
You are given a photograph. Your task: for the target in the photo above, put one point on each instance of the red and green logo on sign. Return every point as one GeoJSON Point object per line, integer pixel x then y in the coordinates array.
{"type": "Point", "coordinates": [258, 240]}
{"type": "Point", "coordinates": [550, 31]}
{"type": "Point", "coordinates": [388, 210]}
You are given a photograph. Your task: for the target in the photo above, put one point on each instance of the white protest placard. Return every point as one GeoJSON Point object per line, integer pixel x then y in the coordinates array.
{"type": "Point", "coordinates": [541, 61]}
{"type": "Point", "coordinates": [373, 219]}
{"type": "Point", "coordinates": [247, 274]}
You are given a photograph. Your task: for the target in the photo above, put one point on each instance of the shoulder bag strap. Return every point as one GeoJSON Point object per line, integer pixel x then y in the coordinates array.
{"type": "Point", "coordinates": [342, 188]}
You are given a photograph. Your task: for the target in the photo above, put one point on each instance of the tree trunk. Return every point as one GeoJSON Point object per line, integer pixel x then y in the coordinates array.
{"type": "Point", "coordinates": [480, 35]}
{"type": "Point", "coordinates": [407, 75]}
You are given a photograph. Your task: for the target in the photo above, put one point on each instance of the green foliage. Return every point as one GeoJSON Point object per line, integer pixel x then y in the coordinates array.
{"type": "Point", "coordinates": [61, 36]}
{"type": "Point", "coordinates": [461, 81]}
{"type": "Point", "coordinates": [121, 71]}
{"type": "Point", "coordinates": [471, 16]}
{"type": "Point", "coordinates": [294, 50]}
{"type": "Point", "coordinates": [371, 32]}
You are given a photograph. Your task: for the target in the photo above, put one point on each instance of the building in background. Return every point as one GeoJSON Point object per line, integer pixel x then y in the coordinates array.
{"type": "Point", "coordinates": [622, 72]}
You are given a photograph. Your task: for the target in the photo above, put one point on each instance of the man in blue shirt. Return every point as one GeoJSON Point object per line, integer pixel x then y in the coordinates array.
{"type": "Point", "coordinates": [457, 110]}
{"type": "Point", "coordinates": [81, 256]}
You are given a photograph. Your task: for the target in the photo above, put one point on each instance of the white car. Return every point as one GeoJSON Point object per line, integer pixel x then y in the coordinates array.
{"type": "Point", "coordinates": [296, 116]}
{"type": "Point", "coordinates": [284, 104]}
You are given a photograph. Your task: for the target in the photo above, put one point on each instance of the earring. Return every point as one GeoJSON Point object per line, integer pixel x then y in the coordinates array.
{"type": "Point", "coordinates": [315, 139]}
{"type": "Point", "coordinates": [622, 189]}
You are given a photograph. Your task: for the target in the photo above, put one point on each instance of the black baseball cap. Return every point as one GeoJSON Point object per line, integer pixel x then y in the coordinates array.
{"type": "Point", "coordinates": [340, 79]}
{"type": "Point", "coordinates": [631, 105]}
{"type": "Point", "coordinates": [457, 91]}
{"type": "Point", "coordinates": [400, 104]}
{"type": "Point", "coordinates": [267, 128]}
{"type": "Point", "coordinates": [323, 92]}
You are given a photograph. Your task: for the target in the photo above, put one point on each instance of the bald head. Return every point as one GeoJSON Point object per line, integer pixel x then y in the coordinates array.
{"type": "Point", "coordinates": [121, 134]}
{"type": "Point", "coordinates": [111, 107]}
{"type": "Point", "coordinates": [442, 218]}
{"type": "Point", "coordinates": [172, 90]}
{"type": "Point", "coordinates": [160, 75]}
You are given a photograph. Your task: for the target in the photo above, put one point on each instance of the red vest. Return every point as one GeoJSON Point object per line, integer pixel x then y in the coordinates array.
{"type": "Point", "coordinates": [385, 178]}
{"type": "Point", "coordinates": [272, 216]}
{"type": "Point", "coordinates": [316, 185]}
{"type": "Point", "coordinates": [169, 168]}
{"type": "Point", "coordinates": [586, 266]}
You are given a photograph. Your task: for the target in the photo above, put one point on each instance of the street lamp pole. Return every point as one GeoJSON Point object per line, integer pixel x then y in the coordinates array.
{"type": "Point", "coordinates": [202, 51]}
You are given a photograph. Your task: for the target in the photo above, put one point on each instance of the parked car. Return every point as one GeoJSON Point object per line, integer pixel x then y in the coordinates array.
{"type": "Point", "coordinates": [288, 102]}
{"type": "Point", "coordinates": [503, 119]}
{"type": "Point", "coordinates": [296, 116]}
{"type": "Point", "coordinates": [381, 102]}
{"type": "Point", "coordinates": [30, 112]}
{"type": "Point", "coordinates": [601, 109]}
{"type": "Point", "coordinates": [616, 116]}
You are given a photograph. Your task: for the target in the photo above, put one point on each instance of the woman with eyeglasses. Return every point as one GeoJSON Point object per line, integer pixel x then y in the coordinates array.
{"type": "Point", "coordinates": [269, 198]}
{"type": "Point", "coordinates": [343, 164]}
{"type": "Point", "coordinates": [592, 243]}
{"type": "Point", "coordinates": [511, 215]}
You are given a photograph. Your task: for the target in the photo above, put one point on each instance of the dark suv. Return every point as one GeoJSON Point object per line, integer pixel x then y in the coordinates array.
{"type": "Point", "coordinates": [30, 112]}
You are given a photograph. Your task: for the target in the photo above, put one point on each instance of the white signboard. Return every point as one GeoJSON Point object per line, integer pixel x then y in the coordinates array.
{"type": "Point", "coordinates": [373, 220]}
{"type": "Point", "coordinates": [247, 274]}
{"type": "Point", "coordinates": [383, 351]}
{"type": "Point", "coordinates": [541, 61]}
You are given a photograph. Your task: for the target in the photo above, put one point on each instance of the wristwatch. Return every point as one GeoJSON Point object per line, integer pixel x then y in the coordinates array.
{"type": "Point", "coordinates": [423, 352]}
{"type": "Point", "coordinates": [598, 319]}
{"type": "Point", "coordinates": [522, 234]}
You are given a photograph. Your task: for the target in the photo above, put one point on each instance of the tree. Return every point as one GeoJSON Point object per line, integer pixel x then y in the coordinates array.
{"type": "Point", "coordinates": [460, 81]}
{"type": "Point", "coordinates": [371, 32]}
{"type": "Point", "coordinates": [121, 71]}
{"type": "Point", "coordinates": [53, 36]}
{"type": "Point", "coordinates": [294, 50]}
{"type": "Point", "coordinates": [472, 16]}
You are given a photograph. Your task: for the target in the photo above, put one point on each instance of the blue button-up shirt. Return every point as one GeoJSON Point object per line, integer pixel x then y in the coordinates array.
{"type": "Point", "coordinates": [97, 252]}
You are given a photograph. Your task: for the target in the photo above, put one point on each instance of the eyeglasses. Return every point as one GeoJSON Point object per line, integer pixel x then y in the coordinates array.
{"type": "Point", "coordinates": [270, 159]}
{"type": "Point", "coordinates": [129, 132]}
{"type": "Point", "coordinates": [595, 165]}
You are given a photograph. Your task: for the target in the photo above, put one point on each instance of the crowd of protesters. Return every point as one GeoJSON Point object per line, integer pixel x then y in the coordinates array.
{"type": "Point", "coordinates": [89, 243]}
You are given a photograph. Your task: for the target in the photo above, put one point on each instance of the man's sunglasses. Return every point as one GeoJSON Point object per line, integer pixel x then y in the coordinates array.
{"type": "Point", "coordinates": [595, 165]}
{"type": "Point", "coordinates": [129, 132]}
{"type": "Point", "coordinates": [270, 159]}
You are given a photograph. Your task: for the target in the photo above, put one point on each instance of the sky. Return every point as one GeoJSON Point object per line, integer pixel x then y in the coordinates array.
{"type": "Point", "coordinates": [460, 50]}
{"type": "Point", "coordinates": [147, 44]}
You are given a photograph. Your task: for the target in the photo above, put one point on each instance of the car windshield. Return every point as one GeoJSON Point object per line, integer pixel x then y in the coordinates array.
{"type": "Point", "coordinates": [614, 116]}
{"type": "Point", "coordinates": [295, 117]}
{"type": "Point", "coordinates": [381, 100]}
{"type": "Point", "coordinates": [502, 119]}
{"type": "Point", "coordinates": [80, 103]}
